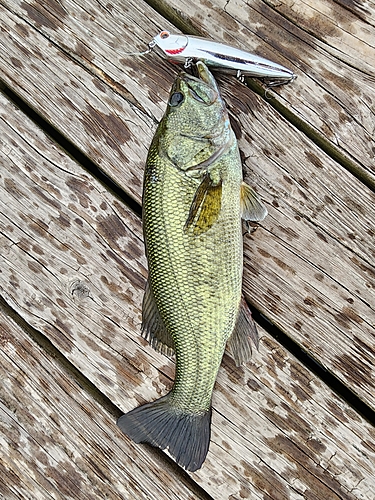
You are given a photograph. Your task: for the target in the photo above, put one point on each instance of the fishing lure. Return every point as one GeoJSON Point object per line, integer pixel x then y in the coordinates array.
{"type": "Point", "coordinates": [188, 49]}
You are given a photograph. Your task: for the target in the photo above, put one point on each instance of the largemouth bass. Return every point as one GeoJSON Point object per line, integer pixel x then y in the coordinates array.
{"type": "Point", "coordinates": [193, 201]}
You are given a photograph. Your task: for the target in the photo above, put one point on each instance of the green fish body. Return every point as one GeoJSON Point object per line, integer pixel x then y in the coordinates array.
{"type": "Point", "coordinates": [193, 201]}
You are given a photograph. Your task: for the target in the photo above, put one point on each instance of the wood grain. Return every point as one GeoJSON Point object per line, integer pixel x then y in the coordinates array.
{"type": "Point", "coordinates": [311, 270]}
{"type": "Point", "coordinates": [57, 442]}
{"type": "Point", "coordinates": [73, 266]}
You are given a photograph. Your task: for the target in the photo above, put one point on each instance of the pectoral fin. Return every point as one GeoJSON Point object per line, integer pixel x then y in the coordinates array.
{"type": "Point", "coordinates": [205, 207]}
{"type": "Point", "coordinates": [244, 332]}
{"type": "Point", "coordinates": [251, 207]}
{"type": "Point", "coordinates": [153, 328]}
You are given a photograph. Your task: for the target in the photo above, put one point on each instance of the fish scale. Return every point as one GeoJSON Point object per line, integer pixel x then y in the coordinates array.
{"type": "Point", "coordinates": [193, 200]}
{"type": "Point", "coordinates": [209, 265]}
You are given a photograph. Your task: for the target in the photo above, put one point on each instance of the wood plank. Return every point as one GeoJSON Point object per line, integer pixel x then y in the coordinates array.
{"type": "Point", "coordinates": [73, 266]}
{"type": "Point", "coordinates": [317, 287]}
{"type": "Point", "coordinates": [102, 117]}
{"type": "Point", "coordinates": [316, 277]}
{"type": "Point", "coordinates": [57, 442]}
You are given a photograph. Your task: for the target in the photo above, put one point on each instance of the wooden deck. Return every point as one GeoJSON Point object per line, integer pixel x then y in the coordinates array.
{"type": "Point", "coordinates": [73, 270]}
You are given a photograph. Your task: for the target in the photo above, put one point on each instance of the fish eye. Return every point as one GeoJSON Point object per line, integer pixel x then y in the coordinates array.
{"type": "Point", "coordinates": [176, 99]}
{"type": "Point", "coordinates": [164, 34]}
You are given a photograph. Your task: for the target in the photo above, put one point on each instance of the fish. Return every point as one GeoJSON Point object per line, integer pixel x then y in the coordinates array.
{"type": "Point", "coordinates": [193, 200]}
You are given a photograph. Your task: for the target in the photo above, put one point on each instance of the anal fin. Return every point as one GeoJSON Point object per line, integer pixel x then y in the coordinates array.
{"type": "Point", "coordinates": [244, 332]}
{"type": "Point", "coordinates": [153, 328]}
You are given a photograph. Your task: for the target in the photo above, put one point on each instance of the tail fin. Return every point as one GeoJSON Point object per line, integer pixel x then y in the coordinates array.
{"type": "Point", "coordinates": [185, 434]}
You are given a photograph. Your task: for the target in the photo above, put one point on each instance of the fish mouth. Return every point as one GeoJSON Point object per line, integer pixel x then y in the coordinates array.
{"type": "Point", "coordinates": [203, 75]}
{"type": "Point", "coordinates": [202, 87]}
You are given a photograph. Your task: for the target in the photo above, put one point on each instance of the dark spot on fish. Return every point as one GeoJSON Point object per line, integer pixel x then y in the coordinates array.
{"type": "Point", "coordinates": [287, 179]}
{"type": "Point", "coordinates": [275, 203]}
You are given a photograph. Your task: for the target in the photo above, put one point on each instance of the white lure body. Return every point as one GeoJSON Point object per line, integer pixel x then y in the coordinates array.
{"type": "Point", "coordinates": [186, 49]}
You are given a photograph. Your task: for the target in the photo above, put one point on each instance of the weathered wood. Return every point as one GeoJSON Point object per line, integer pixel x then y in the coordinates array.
{"type": "Point", "coordinates": [57, 442]}
{"type": "Point", "coordinates": [73, 266]}
{"type": "Point", "coordinates": [313, 273]}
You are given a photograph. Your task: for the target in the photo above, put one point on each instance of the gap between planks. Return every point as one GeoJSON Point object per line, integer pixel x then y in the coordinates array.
{"type": "Point", "coordinates": [288, 343]}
